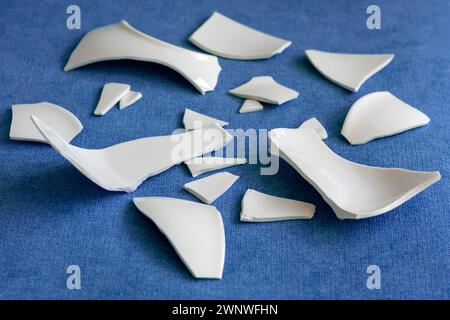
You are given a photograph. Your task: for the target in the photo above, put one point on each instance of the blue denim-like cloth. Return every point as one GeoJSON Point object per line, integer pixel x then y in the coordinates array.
{"type": "Point", "coordinates": [51, 216]}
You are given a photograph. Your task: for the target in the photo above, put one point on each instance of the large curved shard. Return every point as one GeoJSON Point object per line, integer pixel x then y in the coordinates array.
{"type": "Point", "coordinates": [226, 38]}
{"type": "Point", "coordinates": [195, 231]}
{"type": "Point", "coordinates": [122, 41]}
{"type": "Point", "coordinates": [354, 191]}
{"type": "Point", "coordinates": [348, 70]}
{"type": "Point", "coordinates": [22, 128]}
{"type": "Point", "coordinates": [380, 114]}
{"type": "Point", "coordinates": [124, 166]}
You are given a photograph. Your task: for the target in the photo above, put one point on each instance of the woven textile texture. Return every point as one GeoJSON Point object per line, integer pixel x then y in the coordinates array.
{"type": "Point", "coordinates": [51, 216]}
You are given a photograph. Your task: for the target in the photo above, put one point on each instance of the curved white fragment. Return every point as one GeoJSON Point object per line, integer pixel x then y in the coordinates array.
{"type": "Point", "coordinates": [122, 41]}
{"type": "Point", "coordinates": [22, 128]}
{"type": "Point", "coordinates": [129, 99]}
{"type": "Point", "coordinates": [194, 230]}
{"type": "Point", "coordinates": [250, 105]}
{"type": "Point", "coordinates": [380, 114]}
{"type": "Point", "coordinates": [314, 124]}
{"type": "Point", "coordinates": [124, 166]}
{"type": "Point", "coordinates": [212, 187]}
{"type": "Point", "coordinates": [265, 89]}
{"type": "Point", "coordinates": [112, 93]}
{"type": "Point", "coordinates": [195, 120]}
{"type": "Point", "coordinates": [354, 191]}
{"type": "Point", "coordinates": [348, 70]}
{"type": "Point", "coordinates": [202, 165]}
{"type": "Point", "coordinates": [224, 37]}
{"type": "Point", "coordinates": [261, 207]}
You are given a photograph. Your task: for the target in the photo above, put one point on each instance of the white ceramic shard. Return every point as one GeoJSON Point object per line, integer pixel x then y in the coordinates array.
{"type": "Point", "coordinates": [22, 128]}
{"type": "Point", "coordinates": [226, 38]}
{"type": "Point", "coordinates": [194, 120]}
{"type": "Point", "coordinates": [265, 89]}
{"type": "Point", "coordinates": [250, 105]}
{"type": "Point", "coordinates": [261, 207]}
{"type": "Point", "coordinates": [124, 166]}
{"type": "Point", "coordinates": [380, 114]}
{"type": "Point", "coordinates": [212, 187]}
{"type": "Point", "coordinates": [348, 70]}
{"type": "Point", "coordinates": [112, 93]}
{"type": "Point", "coordinates": [353, 191]}
{"type": "Point", "coordinates": [314, 124]}
{"type": "Point", "coordinates": [202, 165]}
{"type": "Point", "coordinates": [122, 41]}
{"type": "Point", "coordinates": [129, 99]}
{"type": "Point", "coordinates": [194, 230]}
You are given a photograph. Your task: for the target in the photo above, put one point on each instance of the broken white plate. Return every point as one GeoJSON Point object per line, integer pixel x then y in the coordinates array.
{"type": "Point", "coordinates": [348, 70]}
{"type": "Point", "coordinates": [314, 124]}
{"type": "Point", "coordinates": [129, 99]}
{"type": "Point", "coordinates": [124, 166]}
{"type": "Point", "coordinates": [380, 114]}
{"type": "Point", "coordinates": [250, 105]}
{"type": "Point", "coordinates": [22, 128]}
{"type": "Point", "coordinates": [261, 207]}
{"type": "Point", "coordinates": [354, 191]}
{"type": "Point", "coordinates": [112, 93]}
{"type": "Point", "coordinates": [202, 165]}
{"type": "Point", "coordinates": [194, 120]}
{"type": "Point", "coordinates": [212, 187]}
{"type": "Point", "coordinates": [122, 41]}
{"type": "Point", "coordinates": [194, 230]}
{"type": "Point", "coordinates": [224, 37]}
{"type": "Point", "coordinates": [265, 89]}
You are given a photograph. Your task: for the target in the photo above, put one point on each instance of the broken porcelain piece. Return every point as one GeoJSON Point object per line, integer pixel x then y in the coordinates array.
{"type": "Point", "coordinates": [212, 187]}
{"type": "Point", "coordinates": [202, 165]}
{"type": "Point", "coordinates": [250, 105]}
{"type": "Point", "coordinates": [22, 128]}
{"type": "Point", "coordinates": [226, 38]}
{"type": "Point", "coordinates": [129, 99]}
{"type": "Point", "coordinates": [261, 207]}
{"type": "Point", "coordinates": [194, 120]}
{"type": "Point", "coordinates": [194, 230]}
{"type": "Point", "coordinates": [122, 41]}
{"type": "Point", "coordinates": [314, 124]}
{"type": "Point", "coordinates": [124, 166]}
{"type": "Point", "coordinates": [348, 70]}
{"type": "Point", "coordinates": [380, 114]}
{"type": "Point", "coordinates": [112, 93]}
{"type": "Point", "coordinates": [265, 89]}
{"type": "Point", "coordinates": [354, 191]}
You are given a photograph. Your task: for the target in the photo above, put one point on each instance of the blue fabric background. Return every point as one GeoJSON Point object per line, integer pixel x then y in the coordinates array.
{"type": "Point", "coordinates": [51, 216]}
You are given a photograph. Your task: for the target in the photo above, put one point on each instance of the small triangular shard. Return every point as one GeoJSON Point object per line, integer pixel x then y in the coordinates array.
{"type": "Point", "coordinates": [314, 124]}
{"type": "Point", "coordinates": [130, 98]}
{"type": "Point", "coordinates": [195, 120]}
{"type": "Point", "coordinates": [201, 165]}
{"type": "Point", "coordinates": [250, 105]}
{"type": "Point", "coordinates": [212, 187]}
{"type": "Point", "coordinates": [112, 93]}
